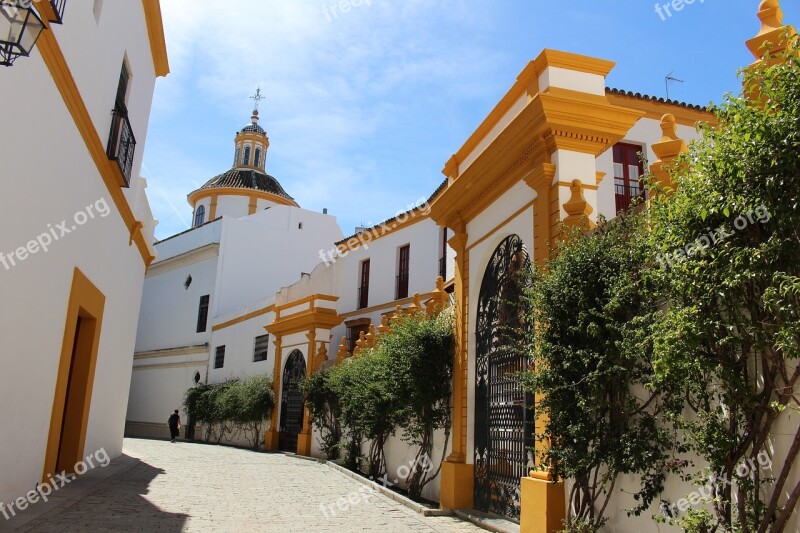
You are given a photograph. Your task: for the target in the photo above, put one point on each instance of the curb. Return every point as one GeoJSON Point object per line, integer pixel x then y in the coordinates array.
{"type": "Point", "coordinates": [411, 504]}
{"type": "Point", "coordinates": [487, 521]}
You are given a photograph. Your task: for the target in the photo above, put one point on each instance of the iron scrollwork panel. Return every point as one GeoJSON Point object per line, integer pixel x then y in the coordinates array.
{"type": "Point", "coordinates": [292, 402]}
{"type": "Point", "coordinates": [503, 420]}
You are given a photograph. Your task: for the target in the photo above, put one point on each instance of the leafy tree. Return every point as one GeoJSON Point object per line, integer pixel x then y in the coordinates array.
{"type": "Point", "coordinates": [590, 343]}
{"type": "Point", "coordinates": [420, 352]}
{"type": "Point", "coordinates": [730, 333]}
{"type": "Point", "coordinates": [325, 411]}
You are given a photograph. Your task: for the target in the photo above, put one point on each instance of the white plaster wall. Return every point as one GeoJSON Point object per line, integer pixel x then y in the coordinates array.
{"type": "Point", "coordinates": [168, 316]}
{"type": "Point", "coordinates": [158, 387]}
{"type": "Point", "coordinates": [36, 290]}
{"type": "Point", "coordinates": [266, 251]}
{"type": "Point", "coordinates": [424, 239]}
{"type": "Point", "coordinates": [573, 80]}
{"type": "Point", "coordinates": [233, 206]}
{"type": "Point", "coordinates": [189, 240]}
{"type": "Point", "coordinates": [120, 34]}
{"type": "Point", "coordinates": [239, 342]}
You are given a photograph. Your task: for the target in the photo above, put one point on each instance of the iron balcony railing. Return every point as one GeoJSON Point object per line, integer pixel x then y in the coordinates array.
{"type": "Point", "coordinates": [58, 11]}
{"type": "Point", "coordinates": [401, 286]}
{"type": "Point", "coordinates": [363, 297]}
{"type": "Point", "coordinates": [122, 143]}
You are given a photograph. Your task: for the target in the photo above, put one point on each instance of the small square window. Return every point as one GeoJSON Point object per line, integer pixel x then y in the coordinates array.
{"type": "Point", "coordinates": [261, 348]}
{"type": "Point", "coordinates": [219, 357]}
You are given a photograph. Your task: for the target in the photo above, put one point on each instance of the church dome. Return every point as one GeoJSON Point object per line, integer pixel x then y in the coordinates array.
{"type": "Point", "coordinates": [240, 178]}
{"type": "Point", "coordinates": [253, 127]}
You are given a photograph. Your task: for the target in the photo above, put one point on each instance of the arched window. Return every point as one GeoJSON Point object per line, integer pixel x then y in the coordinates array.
{"type": "Point", "coordinates": [257, 160]}
{"type": "Point", "coordinates": [238, 155]}
{"type": "Point", "coordinates": [199, 216]}
{"type": "Point", "coordinates": [246, 160]}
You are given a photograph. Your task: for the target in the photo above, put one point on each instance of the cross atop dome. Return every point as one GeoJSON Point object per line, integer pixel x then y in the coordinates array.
{"type": "Point", "coordinates": [257, 98]}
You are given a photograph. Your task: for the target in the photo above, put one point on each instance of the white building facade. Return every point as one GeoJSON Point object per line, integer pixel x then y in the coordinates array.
{"type": "Point", "coordinates": [77, 235]}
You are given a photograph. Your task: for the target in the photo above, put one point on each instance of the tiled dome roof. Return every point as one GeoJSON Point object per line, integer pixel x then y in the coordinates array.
{"type": "Point", "coordinates": [247, 179]}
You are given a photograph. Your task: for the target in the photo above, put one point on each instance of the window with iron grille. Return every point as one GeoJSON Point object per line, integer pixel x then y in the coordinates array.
{"type": "Point", "coordinates": [219, 357]}
{"type": "Point", "coordinates": [121, 141]}
{"type": "Point", "coordinates": [261, 348]}
{"type": "Point", "coordinates": [402, 272]}
{"type": "Point", "coordinates": [628, 171]}
{"type": "Point", "coordinates": [363, 287]}
{"type": "Point", "coordinates": [202, 314]}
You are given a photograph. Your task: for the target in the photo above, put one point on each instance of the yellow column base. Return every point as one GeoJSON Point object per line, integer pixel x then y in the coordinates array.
{"type": "Point", "coordinates": [271, 440]}
{"type": "Point", "coordinates": [458, 480]}
{"type": "Point", "coordinates": [304, 443]}
{"type": "Point", "coordinates": [543, 504]}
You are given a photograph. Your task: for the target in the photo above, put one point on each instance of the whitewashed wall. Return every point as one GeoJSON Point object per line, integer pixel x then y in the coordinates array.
{"type": "Point", "coordinates": [45, 191]}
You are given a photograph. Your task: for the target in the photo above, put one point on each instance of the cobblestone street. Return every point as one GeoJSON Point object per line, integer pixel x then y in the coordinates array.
{"type": "Point", "coordinates": [160, 486]}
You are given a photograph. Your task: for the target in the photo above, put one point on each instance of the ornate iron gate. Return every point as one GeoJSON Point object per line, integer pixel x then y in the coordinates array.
{"type": "Point", "coordinates": [292, 402]}
{"type": "Point", "coordinates": [503, 418]}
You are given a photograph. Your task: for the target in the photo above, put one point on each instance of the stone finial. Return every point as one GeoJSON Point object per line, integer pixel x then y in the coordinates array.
{"type": "Point", "coordinates": [438, 299]}
{"type": "Point", "coordinates": [416, 306]}
{"type": "Point", "coordinates": [398, 313]}
{"type": "Point", "coordinates": [370, 336]}
{"type": "Point", "coordinates": [577, 208]}
{"type": "Point", "coordinates": [668, 149]}
{"type": "Point", "coordinates": [384, 327]}
{"type": "Point", "coordinates": [771, 38]}
{"type": "Point", "coordinates": [342, 354]}
{"type": "Point", "coordinates": [361, 343]}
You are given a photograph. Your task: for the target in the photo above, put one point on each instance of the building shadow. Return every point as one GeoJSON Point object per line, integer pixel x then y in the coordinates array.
{"type": "Point", "coordinates": [101, 501]}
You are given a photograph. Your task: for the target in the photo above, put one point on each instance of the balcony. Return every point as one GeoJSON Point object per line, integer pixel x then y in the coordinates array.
{"type": "Point", "coordinates": [363, 297]}
{"type": "Point", "coordinates": [121, 144]}
{"type": "Point", "coordinates": [52, 10]}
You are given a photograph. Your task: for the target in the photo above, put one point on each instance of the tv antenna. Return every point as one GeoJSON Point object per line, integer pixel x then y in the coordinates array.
{"type": "Point", "coordinates": [670, 78]}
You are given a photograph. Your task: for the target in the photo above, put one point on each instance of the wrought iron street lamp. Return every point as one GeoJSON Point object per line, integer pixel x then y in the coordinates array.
{"type": "Point", "coordinates": [20, 27]}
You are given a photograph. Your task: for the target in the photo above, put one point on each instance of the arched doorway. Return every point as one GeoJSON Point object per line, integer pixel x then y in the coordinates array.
{"type": "Point", "coordinates": [503, 420]}
{"type": "Point", "coordinates": [292, 402]}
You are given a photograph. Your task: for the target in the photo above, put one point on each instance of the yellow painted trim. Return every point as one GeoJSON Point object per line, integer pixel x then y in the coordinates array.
{"type": "Point", "coordinates": [378, 232]}
{"type": "Point", "coordinates": [526, 83]}
{"type": "Point", "coordinates": [216, 192]}
{"type": "Point", "coordinates": [155, 32]}
{"type": "Point", "coordinates": [56, 63]}
{"type": "Point", "coordinates": [655, 110]}
{"type": "Point", "coordinates": [528, 76]}
{"type": "Point", "coordinates": [253, 204]}
{"type": "Point", "coordinates": [85, 302]}
{"type": "Point", "coordinates": [503, 223]}
{"type": "Point", "coordinates": [575, 62]}
{"type": "Point", "coordinates": [243, 318]}
{"type": "Point", "coordinates": [307, 320]}
{"type": "Point", "coordinates": [308, 299]}
{"type": "Point", "coordinates": [391, 305]}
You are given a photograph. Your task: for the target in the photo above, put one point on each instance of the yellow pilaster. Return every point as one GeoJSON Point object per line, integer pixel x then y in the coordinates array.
{"type": "Point", "coordinates": [304, 438]}
{"type": "Point", "coordinates": [549, 511]}
{"type": "Point", "coordinates": [273, 434]}
{"type": "Point", "coordinates": [457, 476]}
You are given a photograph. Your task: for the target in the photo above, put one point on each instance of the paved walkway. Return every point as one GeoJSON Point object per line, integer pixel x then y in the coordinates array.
{"type": "Point", "coordinates": [160, 486]}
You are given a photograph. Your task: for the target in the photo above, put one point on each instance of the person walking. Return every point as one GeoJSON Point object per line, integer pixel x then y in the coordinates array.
{"type": "Point", "coordinates": [174, 425]}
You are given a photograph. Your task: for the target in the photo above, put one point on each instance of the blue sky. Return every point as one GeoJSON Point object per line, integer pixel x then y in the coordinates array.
{"type": "Point", "coordinates": [364, 107]}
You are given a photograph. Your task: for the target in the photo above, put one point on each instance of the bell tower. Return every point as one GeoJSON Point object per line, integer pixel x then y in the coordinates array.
{"type": "Point", "coordinates": [252, 142]}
